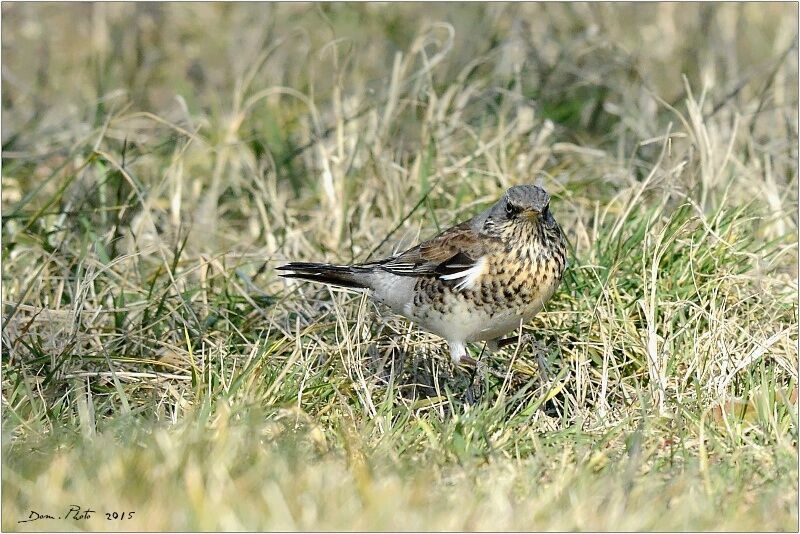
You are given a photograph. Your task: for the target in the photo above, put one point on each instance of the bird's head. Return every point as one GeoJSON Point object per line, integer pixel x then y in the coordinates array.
{"type": "Point", "coordinates": [521, 204]}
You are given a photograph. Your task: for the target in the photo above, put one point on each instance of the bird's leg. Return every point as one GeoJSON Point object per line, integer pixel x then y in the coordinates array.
{"type": "Point", "coordinates": [464, 361]}
{"type": "Point", "coordinates": [497, 344]}
{"type": "Point", "coordinates": [461, 360]}
{"type": "Point", "coordinates": [517, 365]}
{"type": "Point", "coordinates": [541, 359]}
{"type": "Point", "coordinates": [458, 353]}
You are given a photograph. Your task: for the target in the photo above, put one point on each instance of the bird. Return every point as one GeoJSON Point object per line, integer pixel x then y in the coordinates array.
{"type": "Point", "coordinates": [473, 282]}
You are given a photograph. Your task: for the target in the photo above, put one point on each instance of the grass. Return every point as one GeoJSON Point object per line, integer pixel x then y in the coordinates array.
{"type": "Point", "coordinates": [159, 161]}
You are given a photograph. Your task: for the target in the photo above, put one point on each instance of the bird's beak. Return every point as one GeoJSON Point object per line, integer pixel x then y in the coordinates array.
{"type": "Point", "coordinates": [531, 215]}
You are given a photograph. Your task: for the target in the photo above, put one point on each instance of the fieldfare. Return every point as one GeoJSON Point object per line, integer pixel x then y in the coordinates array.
{"type": "Point", "coordinates": [476, 281]}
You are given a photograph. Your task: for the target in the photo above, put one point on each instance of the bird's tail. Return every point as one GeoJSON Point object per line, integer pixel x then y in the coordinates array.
{"type": "Point", "coordinates": [337, 275]}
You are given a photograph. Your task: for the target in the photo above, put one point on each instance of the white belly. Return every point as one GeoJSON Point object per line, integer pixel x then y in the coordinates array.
{"type": "Point", "coordinates": [467, 323]}
{"type": "Point", "coordinates": [471, 326]}
{"type": "Point", "coordinates": [461, 319]}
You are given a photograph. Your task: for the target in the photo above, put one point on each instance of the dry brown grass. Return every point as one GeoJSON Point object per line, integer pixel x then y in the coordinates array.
{"type": "Point", "coordinates": [160, 160]}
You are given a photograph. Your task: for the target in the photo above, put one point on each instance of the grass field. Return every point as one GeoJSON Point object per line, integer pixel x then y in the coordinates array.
{"type": "Point", "coordinates": [159, 161]}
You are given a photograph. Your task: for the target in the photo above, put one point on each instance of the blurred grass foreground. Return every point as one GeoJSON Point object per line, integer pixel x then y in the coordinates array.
{"type": "Point", "coordinates": [160, 160]}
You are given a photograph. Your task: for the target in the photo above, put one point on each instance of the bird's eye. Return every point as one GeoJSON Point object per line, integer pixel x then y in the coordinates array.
{"type": "Point", "coordinates": [511, 210]}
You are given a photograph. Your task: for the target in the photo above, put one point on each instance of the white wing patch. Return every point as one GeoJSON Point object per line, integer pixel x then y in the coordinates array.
{"type": "Point", "coordinates": [468, 276]}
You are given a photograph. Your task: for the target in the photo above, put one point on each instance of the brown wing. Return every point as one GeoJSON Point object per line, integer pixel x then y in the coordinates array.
{"type": "Point", "coordinates": [452, 251]}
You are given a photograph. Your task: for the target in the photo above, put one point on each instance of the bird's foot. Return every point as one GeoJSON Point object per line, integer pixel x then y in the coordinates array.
{"type": "Point", "coordinates": [476, 370]}
{"type": "Point", "coordinates": [482, 369]}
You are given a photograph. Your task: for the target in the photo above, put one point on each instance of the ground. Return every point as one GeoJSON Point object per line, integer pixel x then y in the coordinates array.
{"type": "Point", "coordinates": [161, 160]}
